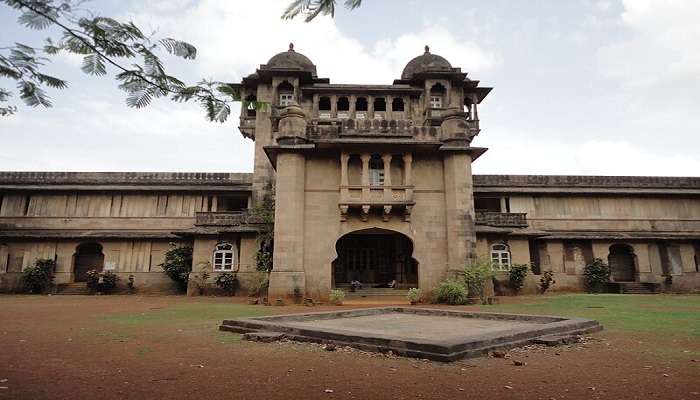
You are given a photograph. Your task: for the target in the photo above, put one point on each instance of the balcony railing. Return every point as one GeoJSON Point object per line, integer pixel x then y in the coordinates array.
{"type": "Point", "coordinates": [499, 219]}
{"type": "Point", "coordinates": [379, 197]}
{"type": "Point", "coordinates": [224, 218]}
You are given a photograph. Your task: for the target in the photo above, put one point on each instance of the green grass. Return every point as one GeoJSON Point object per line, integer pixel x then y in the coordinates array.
{"type": "Point", "coordinates": [662, 314]}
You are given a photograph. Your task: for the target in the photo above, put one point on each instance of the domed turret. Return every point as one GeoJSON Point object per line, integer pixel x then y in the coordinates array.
{"type": "Point", "coordinates": [426, 62]}
{"type": "Point", "coordinates": [290, 60]}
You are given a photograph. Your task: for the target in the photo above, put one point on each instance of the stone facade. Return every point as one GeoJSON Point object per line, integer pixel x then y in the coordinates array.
{"type": "Point", "coordinates": [371, 183]}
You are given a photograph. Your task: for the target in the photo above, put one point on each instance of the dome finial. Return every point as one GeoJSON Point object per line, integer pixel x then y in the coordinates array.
{"type": "Point", "coordinates": [427, 49]}
{"type": "Point", "coordinates": [291, 46]}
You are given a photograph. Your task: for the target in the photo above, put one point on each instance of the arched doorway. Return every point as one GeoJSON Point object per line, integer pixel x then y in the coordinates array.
{"type": "Point", "coordinates": [622, 263]}
{"type": "Point", "coordinates": [87, 256]}
{"type": "Point", "coordinates": [375, 257]}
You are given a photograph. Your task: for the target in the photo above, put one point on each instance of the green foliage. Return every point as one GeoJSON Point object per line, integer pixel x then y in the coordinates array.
{"type": "Point", "coordinates": [109, 282]}
{"type": "Point", "coordinates": [257, 283]}
{"type": "Point", "coordinates": [597, 275]}
{"type": "Point", "coordinates": [476, 274]}
{"type": "Point", "coordinates": [264, 216]}
{"type": "Point", "coordinates": [546, 281]}
{"type": "Point", "coordinates": [313, 8]}
{"type": "Point", "coordinates": [228, 281]}
{"type": "Point", "coordinates": [104, 43]}
{"type": "Point", "coordinates": [516, 276]}
{"type": "Point", "coordinates": [414, 295]}
{"type": "Point", "coordinates": [178, 264]}
{"type": "Point", "coordinates": [337, 296]}
{"type": "Point", "coordinates": [450, 291]}
{"type": "Point", "coordinates": [39, 277]}
{"type": "Point", "coordinates": [92, 278]}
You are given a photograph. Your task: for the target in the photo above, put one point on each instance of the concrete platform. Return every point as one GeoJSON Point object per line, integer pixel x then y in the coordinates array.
{"type": "Point", "coordinates": [436, 334]}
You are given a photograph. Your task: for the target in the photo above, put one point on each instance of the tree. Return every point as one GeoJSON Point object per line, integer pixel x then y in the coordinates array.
{"type": "Point", "coordinates": [313, 8]}
{"type": "Point", "coordinates": [104, 43]}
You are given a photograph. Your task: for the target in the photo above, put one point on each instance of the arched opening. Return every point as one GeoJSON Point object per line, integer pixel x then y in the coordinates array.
{"type": "Point", "coordinates": [285, 90]}
{"type": "Point", "coordinates": [87, 256]}
{"type": "Point", "coordinates": [250, 106]}
{"type": "Point", "coordinates": [376, 258]}
{"type": "Point", "coordinates": [376, 171]}
{"type": "Point", "coordinates": [324, 107]}
{"type": "Point", "coordinates": [397, 104]}
{"type": "Point", "coordinates": [343, 104]}
{"type": "Point", "coordinates": [379, 104]}
{"type": "Point", "coordinates": [622, 263]}
{"type": "Point", "coordinates": [361, 104]}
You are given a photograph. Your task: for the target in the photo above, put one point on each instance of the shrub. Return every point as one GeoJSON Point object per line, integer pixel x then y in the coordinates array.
{"type": "Point", "coordinates": [178, 265]}
{"type": "Point", "coordinates": [516, 276]}
{"type": "Point", "coordinates": [413, 295]}
{"type": "Point", "coordinates": [39, 277]}
{"type": "Point", "coordinates": [451, 291]}
{"type": "Point", "coordinates": [546, 281]}
{"type": "Point", "coordinates": [257, 284]}
{"type": "Point", "coordinates": [228, 281]}
{"type": "Point", "coordinates": [92, 278]}
{"type": "Point", "coordinates": [337, 296]}
{"type": "Point", "coordinates": [597, 275]}
{"type": "Point", "coordinates": [109, 282]}
{"type": "Point", "coordinates": [476, 274]}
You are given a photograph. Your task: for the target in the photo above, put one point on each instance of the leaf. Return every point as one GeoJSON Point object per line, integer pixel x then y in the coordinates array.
{"type": "Point", "coordinates": [51, 81]}
{"type": "Point", "coordinates": [32, 20]}
{"type": "Point", "coordinates": [32, 95]}
{"type": "Point", "coordinates": [140, 98]}
{"type": "Point", "coordinates": [179, 48]}
{"type": "Point", "coordinates": [229, 90]}
{"type": "Point", "coordinates": [93, 64]}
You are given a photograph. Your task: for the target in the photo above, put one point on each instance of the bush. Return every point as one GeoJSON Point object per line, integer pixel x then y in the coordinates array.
{"type": "Point", "coordinates": [414, 295]}
{"type": "Point", "coordinates": [39, 277]}
{"type": "Point", "coordinates": [228, 281]}
{"type": "Point", "coordinates": [257, 284]}
{"type": "Point", "coordinates": [476, 274]}
{"type": "Point", "coordinates": [109, 282]}
{"type": "Point", "coordinates": [597, 275]}
{"type": "Point", "coordinates": [178, 265]}
{"type": "Point", "coordinates": [337, 296]}
{"type": "Point", "coordinates": [546, 281]}
{"type": "Point", "coordinates": [516, 276]}
{"type": "Point", "coordinates": [92, 278]}
{"type": "Point", "coordinates": [451, 291]}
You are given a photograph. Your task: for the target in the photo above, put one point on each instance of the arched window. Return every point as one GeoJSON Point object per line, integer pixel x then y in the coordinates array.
{"type": "Point", "coordinates": [250, 104]}
{"type": "Point", "coordinates": [223, 257]}
{"type": "Point", "coordinates": [343, 106]}
{"type": "Point", "coordinates": [361, 108]}
{"type": "Point", "coordinates": [376, 171]}
{"type": "Point", "coordinates": [286, 93]}
{"type": "Point", "coordinates": [437, 93]}
{"type": "Point", "coordinates": [379, 104]}
{"type": "Point", "coordinates": [500, 256]}
{"type": "Point", "coordinates": [324, 107]}
{"type": "Point", "coordinates": [397, 104]}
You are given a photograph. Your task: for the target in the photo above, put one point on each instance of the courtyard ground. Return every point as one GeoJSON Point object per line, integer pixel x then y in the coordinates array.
{"type": "Point", "coordinates": [144, 347]}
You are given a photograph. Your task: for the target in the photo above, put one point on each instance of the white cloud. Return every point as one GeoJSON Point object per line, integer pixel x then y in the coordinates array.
{"type": "Point", "coordinates": [662, 45]}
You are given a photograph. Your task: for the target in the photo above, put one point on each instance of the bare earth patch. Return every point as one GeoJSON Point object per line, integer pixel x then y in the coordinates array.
{"type": "Point", "coordinates": [138, 347]}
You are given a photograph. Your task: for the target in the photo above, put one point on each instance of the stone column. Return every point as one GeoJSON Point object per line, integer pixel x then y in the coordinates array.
{"type": "Point", "coordinates": [459, 209]}
{"type": "Point", "coordinates": [334, 106]}
{"type": "Point", "coordinates": [386, 158]}
{"type": "Point", "coordinates": [407, 169]}
{"type": "Point", "coordinates": [370, 107]}
{"type": "Point", "coordinates": [352, 99]}
{"type": "Point", "coordinates": [389, 107]}
{"type": "Point", "coordinates": [504, 205]}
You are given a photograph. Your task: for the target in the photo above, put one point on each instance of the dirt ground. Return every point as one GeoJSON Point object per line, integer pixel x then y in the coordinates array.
{"type": "Point", "coordinates": [168, 347]}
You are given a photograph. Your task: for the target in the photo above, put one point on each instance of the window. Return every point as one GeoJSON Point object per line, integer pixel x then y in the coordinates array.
{"type": "Point", "coordinates": [500, 256]}
{"type": "Point", "coordinates": [324, 107]}
{"type": "Point", "coordinates": [397, 104]}
{"type": "Point", "coordinates": [376, 171]}
{"type": "Point", "coordinates": [250, 104]}
{"type": "Point", "coordinates": [223, 257]}
{"type": "Point", "coordinates": [435, 101]}
{"type": "Point", "coordinates": [286, 99]}
{"type": "Point", "coordinates": [343, 106]}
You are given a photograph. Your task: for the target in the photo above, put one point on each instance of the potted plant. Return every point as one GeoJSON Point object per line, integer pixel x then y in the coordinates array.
{"type": "Point", "coordinates": [413, 295]}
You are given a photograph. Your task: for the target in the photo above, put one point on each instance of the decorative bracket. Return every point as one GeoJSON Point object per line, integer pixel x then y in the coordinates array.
{"type": "Point", "coordinates": [344, 213]}
{"type": "Point", "coordinates": [365, 212]}
{"type": "Point", "coordinates": [387, 213]}
{"type": "Point", "coordinates": [407, 213]}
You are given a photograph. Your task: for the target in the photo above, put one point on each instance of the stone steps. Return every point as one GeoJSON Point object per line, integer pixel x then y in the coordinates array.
{"type": "Point", "coordinates": [74, 288]}
{"type": "Point", "coordinates": [637, 288]}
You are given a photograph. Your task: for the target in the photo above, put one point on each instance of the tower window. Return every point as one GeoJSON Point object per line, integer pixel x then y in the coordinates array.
{"type": "Point", "coordinates": [223, 257]}
{"type": "Point", "coordinates": [286, 99]}
{"type": "Point", "coordinates": [435, 101]}
{"type": "Point", "coordinates": [286, 93]}
{"type": "Point", "coordinates": [437, 93]}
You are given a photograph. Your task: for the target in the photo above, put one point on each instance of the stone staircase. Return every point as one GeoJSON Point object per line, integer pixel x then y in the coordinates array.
{"type": "Point", "coordinates": [635, 288]}
{"type": "Point", "coordinates": [75, 288]}
{"type": "Point", "coordinates": [374, 292]}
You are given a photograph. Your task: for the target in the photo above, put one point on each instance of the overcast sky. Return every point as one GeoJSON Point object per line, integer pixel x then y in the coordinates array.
{"type": "Point", "coordinates": [604, 87]}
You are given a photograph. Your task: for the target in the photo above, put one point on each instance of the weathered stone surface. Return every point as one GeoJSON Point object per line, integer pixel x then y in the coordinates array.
{"type": "Point", "coordinates": [265, 337]}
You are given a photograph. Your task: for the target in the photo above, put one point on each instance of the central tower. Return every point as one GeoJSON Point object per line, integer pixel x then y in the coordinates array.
{"type": "Point", "coordinates": [372, 182]}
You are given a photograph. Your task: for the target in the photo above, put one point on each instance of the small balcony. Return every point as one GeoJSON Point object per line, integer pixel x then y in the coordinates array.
{"type": "Point", "coordinates": [385, 198]}
{"type": "Point", "coordinates": [501, 219]}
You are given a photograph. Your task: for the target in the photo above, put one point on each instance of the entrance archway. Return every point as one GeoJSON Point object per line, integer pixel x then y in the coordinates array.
{"type": "Point", "coordinates": [375, 257]}
{"type": "Point", "coordinates": [622, 263]}
{"type": "Point", "coordinates": [87, 256]}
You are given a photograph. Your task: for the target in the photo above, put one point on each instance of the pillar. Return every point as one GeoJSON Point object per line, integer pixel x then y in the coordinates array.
{"type": "Point", "coordinates": [459, 209]}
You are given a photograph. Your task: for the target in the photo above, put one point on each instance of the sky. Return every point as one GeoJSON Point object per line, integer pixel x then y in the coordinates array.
{"type": "Point", "coordinates": [584, 87]}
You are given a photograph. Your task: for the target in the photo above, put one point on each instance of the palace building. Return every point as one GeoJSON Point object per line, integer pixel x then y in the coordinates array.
{"type": "Point", "coordinates": [371, 183]}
